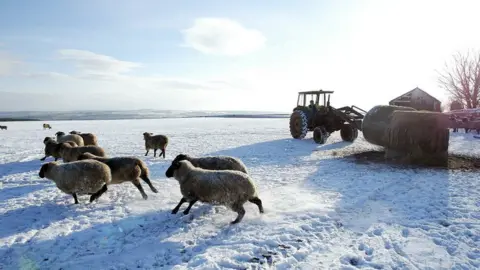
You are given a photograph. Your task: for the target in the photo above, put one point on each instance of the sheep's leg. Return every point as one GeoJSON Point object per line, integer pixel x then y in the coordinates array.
{"type": "Point", "coordinates": [175, 210]}
{"type": "Point", "coordinates": [238, 207]}
{"type": "Point", "coordinates": [162, 153]}
{"type": "Point", "coordinates": [99, 193]}
{"type": "Point", "coordinates": [258, 202]}
{"type": "Point", "coordinates": [190, 204]}
{"type": "Point", "coordinates": [149, 183]}
{"type": "Point", "coordinates": [75, 197]}
{"type": "Point", "coordinates": [146, 154]}
{"type": "Point", "coordinates": [136, 183]}
{"type": "Point", "coordinates": [155, 152]}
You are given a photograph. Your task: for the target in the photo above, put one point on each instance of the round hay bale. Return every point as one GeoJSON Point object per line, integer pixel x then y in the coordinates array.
{"type": "Point", "coordinates": [376, 122]}
{"type": "Point", "coordinates": [418, 137]}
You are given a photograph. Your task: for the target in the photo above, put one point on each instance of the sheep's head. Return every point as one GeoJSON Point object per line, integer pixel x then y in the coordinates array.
{"type": "Point", "coordinates": [147, 135]}
{"type": "Point", "coordinates": [48, 139]}
{"type": "Point", "coordinates": [45, 167]}
{"type": "Point", "coordinates": [181, 157]}
{"type": "Point", "coordinates": [173, 167]}
{"type": "Point", "coordinates": [60, 133]}
{"type": "Point", "coordinates": [74, 132]}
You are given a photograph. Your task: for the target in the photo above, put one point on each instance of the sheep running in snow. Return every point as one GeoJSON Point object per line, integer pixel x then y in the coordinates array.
{"type": "Point", "coordinates": [225, 187]}
{"type": "Point", "coordinates": [88, 138]}
{"type": "Point", "coordinates": [85, 177]}
{"type": "Point", "coordinates": [52, 148]}
{"type": "Point", "coordinates": [125, 169]}
{"type": "Point", "coordinates": [214, 162]}
{"type": "Point", "coordinates": [61, 137]}
{"type": "Point", "coordinates": [69, 153]}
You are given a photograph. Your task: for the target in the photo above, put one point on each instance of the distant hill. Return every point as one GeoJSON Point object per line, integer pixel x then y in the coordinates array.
{"type": "Point", "coordinates": [139, 114]}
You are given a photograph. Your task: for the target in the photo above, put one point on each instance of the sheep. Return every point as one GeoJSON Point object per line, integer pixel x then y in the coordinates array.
{"type": "Point", "coordinates": [85, 177]}
{"type": "Point", "coordinates": [69, 153]}
{"type": "Point", "coordinates": [3, 127]}
{"type": "Point", "coordinates": [125, 169]}
{"type": "Point", "coordinates": [214, 162]}
{"type": "Point", "coordinates": [45, 126]}
{"type": "Point", "coordinates": [88, 138]}
{"type": "Point", "coordinates": [225, 187]}
{"type": "Point", "coordinates": [61, 137]}
{"type": "Point", "coordinates": [51, 148]}
{"type": "Point", "coordinates": [155, 142]}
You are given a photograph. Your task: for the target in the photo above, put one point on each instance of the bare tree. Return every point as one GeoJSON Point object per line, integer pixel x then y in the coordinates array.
{"type": "Point", "coordinates": [461, 79]}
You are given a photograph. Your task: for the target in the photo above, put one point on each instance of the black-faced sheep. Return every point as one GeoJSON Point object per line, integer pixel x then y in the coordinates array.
{"type": "Point", "coordinates": [155, 142]}
{"type": "Point", "coordinates": [88, 138]}
{"type": "Point", "coordinates": [61, 137]}
{"type": "Point", "coordinates": [86, 177]}
{"type": "Point", "coordinates": [214, 162]}
{"type": "Point", "coordinates": [69, 153]}
{"type": "Point", "coordinates": [225, 187]}
{"type": "Point", "coordinates": [52, 148]}
{"type": "Point", "coordinates": [125, 169]}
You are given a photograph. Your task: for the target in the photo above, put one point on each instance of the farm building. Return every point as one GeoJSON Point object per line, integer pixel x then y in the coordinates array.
{"type": "Point", "coordinates": [418, 99]}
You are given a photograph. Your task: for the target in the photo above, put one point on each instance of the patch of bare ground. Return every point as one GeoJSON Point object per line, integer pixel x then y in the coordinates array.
{"type": "Point", "coordinates": [455, 162]}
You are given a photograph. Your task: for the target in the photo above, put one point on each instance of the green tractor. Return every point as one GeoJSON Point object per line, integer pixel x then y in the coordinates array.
{"type": "Point", "coordinates": [321, 118]}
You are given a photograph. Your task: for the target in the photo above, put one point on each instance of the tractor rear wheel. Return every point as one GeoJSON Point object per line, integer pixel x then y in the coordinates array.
{"type": "Point", "coordinates": [348, 132]}
{"type": "Point", "coordinates": [298, 124]}
{"type": "Point", "coordinates": [319, 135]}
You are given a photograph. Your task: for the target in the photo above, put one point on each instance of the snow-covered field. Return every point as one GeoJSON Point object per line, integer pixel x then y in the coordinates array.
{"type": "Point", "coordinates": [321, 210]}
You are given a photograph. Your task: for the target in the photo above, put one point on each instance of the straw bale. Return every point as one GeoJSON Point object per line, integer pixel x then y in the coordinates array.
{"type": "Point", "coordinates": [418, 137]}
{"type": "Point", "coordinates": [376, 122]}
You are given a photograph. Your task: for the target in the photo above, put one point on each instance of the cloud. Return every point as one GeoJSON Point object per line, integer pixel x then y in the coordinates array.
{"type": "Point", "coordinates": [8, 63]}
{"type": "Point", "coordinates": [92, 63]}
{"type": "Point", "coordinates": [220, 36]}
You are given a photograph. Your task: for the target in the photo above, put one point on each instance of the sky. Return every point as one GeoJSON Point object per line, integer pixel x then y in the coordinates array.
{"type": "Point", "coordinates": [225, 55]}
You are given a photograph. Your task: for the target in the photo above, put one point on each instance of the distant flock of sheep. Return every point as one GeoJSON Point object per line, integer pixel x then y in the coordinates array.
{"type": "Point", "coordinates": [86, 170]}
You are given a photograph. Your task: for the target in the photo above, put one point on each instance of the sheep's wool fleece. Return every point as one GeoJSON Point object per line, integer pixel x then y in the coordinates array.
{"type": "Point", "coordinates": [215, 187]}
{"type": "Point", "coordinates": [81, 177]}
{"type": "Point", "coordinates": [218, 163]}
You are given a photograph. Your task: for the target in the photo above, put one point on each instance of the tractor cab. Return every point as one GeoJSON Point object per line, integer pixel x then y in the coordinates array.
{"type": "Point", "coordinates": [313, 100]}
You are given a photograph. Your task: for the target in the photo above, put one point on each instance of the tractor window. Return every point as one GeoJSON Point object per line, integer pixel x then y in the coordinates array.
{"type": "Point", "coordinates": [301, 100]}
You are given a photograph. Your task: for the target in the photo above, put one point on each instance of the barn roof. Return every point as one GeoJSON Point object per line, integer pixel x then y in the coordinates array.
{"type": "Point", "coordinates": [416, 88]}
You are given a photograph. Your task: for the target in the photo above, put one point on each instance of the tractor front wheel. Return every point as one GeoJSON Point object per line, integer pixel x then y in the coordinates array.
{"type": "Point", "coordinates": [348, 133]}
{"type": "Point", "coordinates": [298, 124]}
{"type": "Point", "coordinates": [320, 135]}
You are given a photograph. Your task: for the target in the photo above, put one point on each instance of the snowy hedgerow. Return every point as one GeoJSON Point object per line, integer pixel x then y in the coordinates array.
{"type": "Point", "coordinates": [225, 187]}
{"type": "Point", "coordinates": [125, 169]}
{"type": "Point", "coordinates": [214, 162]}
{"type": "Point", "coordinates": [78, 178]}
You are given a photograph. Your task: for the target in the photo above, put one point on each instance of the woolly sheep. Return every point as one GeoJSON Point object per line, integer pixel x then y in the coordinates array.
{"type": "Point", "coordinates": [69, 153]}
{"type": "Point", "coordinates": [61, 137]}
{"type": "Point", "coordinates": [88, 138]}
{"type": "Point", "coordinates": [125, 169]}
{"type": "Point", "coordinates": [51, 148]}
{"type": "Point", "coordinates": [225, 187]}
{"type": "Point", "coordinates": [45, 126]}
{"type": "Point", "coordinates": [86, 177]}
{"type": "Point", "coordinates": [214, 162]}
{"type": "Point", "coordinates": [4, 127]}
{"type": "Point", "coordinates": [155, 142]}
